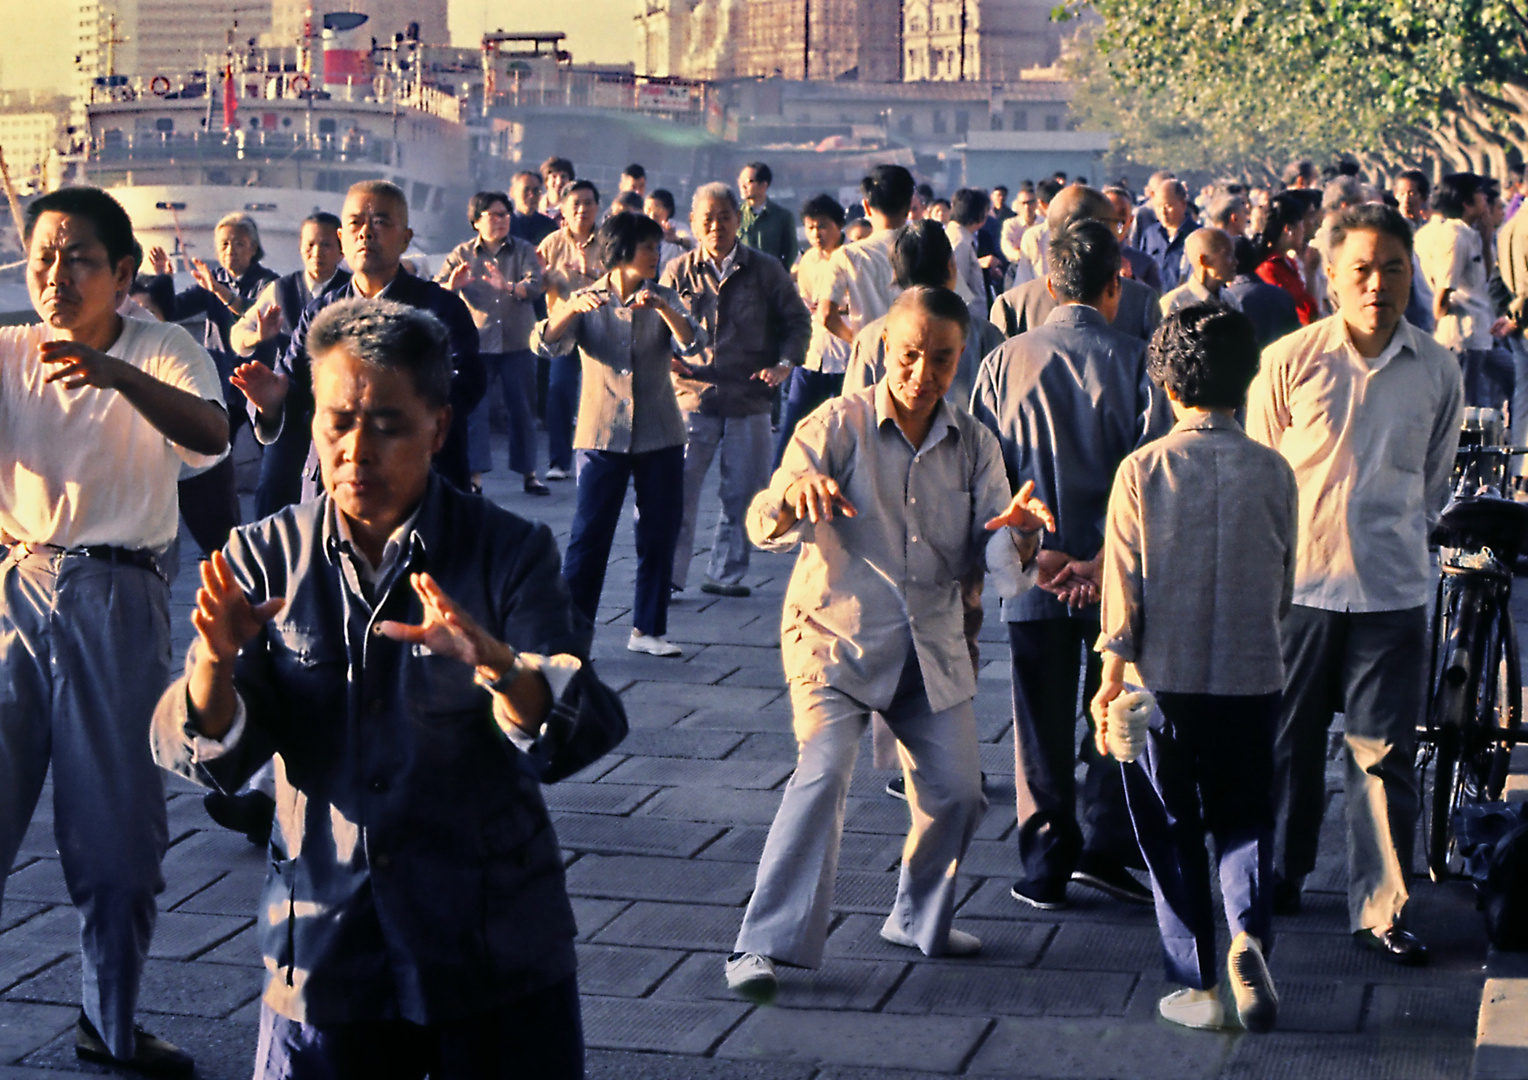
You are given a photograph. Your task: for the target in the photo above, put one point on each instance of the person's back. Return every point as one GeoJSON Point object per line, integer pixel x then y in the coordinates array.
{"type": "Point", "coordinates": [1027, 306]}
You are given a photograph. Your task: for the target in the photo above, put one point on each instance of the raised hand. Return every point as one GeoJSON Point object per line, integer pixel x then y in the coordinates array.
{"type": "Point", "coordinates": [203, 275]}
{"type": "Point", "coordinates": [268, 322]}
{"type": "Point", "coordinates": [159, 260]}
{"type": "Point", "coordinates": [266, 389]}
{"type": "Point", "coordinates": [647, 298]}
{"type": "Point", "coordinates": [224, 618]}
{"type": "Point", "coordinates": [79, 366]}
{"type": "Point", "coordinates": [447, 630]}
{"type": "Point", "coordinates": [815, 497]}
{"type": "Point", "coordinates": [1025, 513]}
{"type": "Point", "coordinates": [461, 274]}
{"type": "Point", "coordinates": [494, 278]}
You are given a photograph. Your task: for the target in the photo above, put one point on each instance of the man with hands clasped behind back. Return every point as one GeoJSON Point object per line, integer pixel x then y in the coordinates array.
{"type": "Point", "coordinates": [894, 496]}
{"type": "Point", "coordinates": [411, 657]}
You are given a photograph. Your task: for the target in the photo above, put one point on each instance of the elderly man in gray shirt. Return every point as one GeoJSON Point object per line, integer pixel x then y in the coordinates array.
{"type": "Point", "coordinates": [894, 497]}
{"type": "Point", "coordinates": [1068, 402]}
{"type": "Point", "coordinates": [1367, 410]}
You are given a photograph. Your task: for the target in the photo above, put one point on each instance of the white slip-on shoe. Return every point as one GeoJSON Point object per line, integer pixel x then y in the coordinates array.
{"type": "Point", "coordinates": [1257, 1003]}
{"type": "Point", "coordinates": [1191, 1008]}
{"type": "Point", "coordinates": [652, 645]}
{"type": "Point", "coordinates": [752, 976]}
{"type": "Point", "coordinates": [960, 943]}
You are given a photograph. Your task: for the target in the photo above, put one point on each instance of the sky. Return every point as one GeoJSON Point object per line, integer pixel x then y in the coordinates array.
{"type": "Point", "coordinates": [37, 52]}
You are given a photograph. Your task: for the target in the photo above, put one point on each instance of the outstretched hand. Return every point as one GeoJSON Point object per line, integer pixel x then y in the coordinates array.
{"type": "Point", "coordinates": [1025, 513]}
{"type": "Point", "coordinates": [265, 388]}
{"type": "Point", "coordinates": [815, 497]}
{"type": "Point", "coordinates": [447, 630]}
{"type": "Point", "coordinates": [224, 618]}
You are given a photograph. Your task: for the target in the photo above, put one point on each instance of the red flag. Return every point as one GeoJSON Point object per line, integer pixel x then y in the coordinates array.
{"type": "Point", "coordinates": [230, 100]}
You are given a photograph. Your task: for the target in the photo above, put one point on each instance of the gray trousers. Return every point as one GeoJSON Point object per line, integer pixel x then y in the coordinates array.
{"type": "Point", "coordinates": [787, 918]}
{"type": "Point", "coordinates": [1371, 667]}
{"type": "Point", "coordinates": [84, 657]}
{"type": "Point", "coordinates": [744, 445]}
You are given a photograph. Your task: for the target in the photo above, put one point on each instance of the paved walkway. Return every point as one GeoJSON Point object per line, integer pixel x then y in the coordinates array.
{"type": "Point", "coordinates": [662, 838]}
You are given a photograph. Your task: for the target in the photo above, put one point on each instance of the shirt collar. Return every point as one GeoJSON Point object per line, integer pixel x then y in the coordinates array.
{"type": "Point", "coordinates": [1340, 340]}
{"type": "Point", "coordinates": [941, 428]}
{"type": "Point", "coordinates": [1076, 315]}
{"type": "Point", "coordinates": [725, 266]}
{"type": "Point", "coordinates": [319, 288]}
{"type": "Point", "coordinates": [417, 531]}
{"type": "Point", "coordinates": [1200, 292]}
{"type": "Point", "coordinates": [480, 247]}
{"type": "Point", "coordinates": [1207, 421]}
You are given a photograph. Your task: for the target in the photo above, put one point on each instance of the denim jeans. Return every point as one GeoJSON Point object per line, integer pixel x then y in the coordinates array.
{"type": "Point", "coordinates": [516, 374]}
{"type": "Point", "coordinates": [561, 409]}
{"type": "Point", "coordinates": [658, 477]}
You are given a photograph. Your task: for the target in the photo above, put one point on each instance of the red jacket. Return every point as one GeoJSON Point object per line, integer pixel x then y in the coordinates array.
{"type": "Point", "coordinates": [1281, 270]}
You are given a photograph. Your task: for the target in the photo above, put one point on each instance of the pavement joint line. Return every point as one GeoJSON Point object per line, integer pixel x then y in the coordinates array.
{"type": "Point", "coordinates": [965, 1062]}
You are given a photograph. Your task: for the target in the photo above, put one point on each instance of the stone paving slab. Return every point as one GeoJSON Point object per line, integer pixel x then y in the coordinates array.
{"type": "Point", "coordinates": [633, 836]}
{"type": "Point", "coordinates": [676, 1027]}
{"type": "Point", "coordinates": [24, 1027]}
{"type": "Point", "coordinates": [611, 1065]}
{"type": "Point", "coordinates": [1100, 947]}
{"type": "Point", "coordinates": [593, 915]}
{"type": "Point", "coordinates": [769, 720]}
{"type": "Point", "coordinates": [192, 989]}
{"type": "Point", "coordinates": [596, 798]}
{"type": "Point", "coordinates": [714, 804]}
{"type": "Point", "coordinates": [977, 990]}
{"type": "Point", "coordinates": [668, 742]}
{"type": "Point", "coordinates": [38, 943]}
{"type": "Point", "coordinates": [236, 893]}
{"type": "Point", "coordinates": [180, 935]}
{"type": "Point", "coordinates": [17, 912]}
{"type": "Point", "coordinates": [222, 1051]}
{"type": "Point", "coordinates": [1063, 1049]}
{"type": "Point", "coordinates": [611, 971]}
{"type": "Point", "coordinates": [637, 877]}
{"type": "Point", "coordinates": [1318, 1006]}
{"type": "Point", "coordinates": [1278, 1056]}
{"type": "Point", "coordinates": [839, 983]}
{"type": "Point", "coordinates": [935, 1044]}
{"type": "Point", "coordinates": [1422, 1010]}
{"type": "Point", "coordinates": [765, 746]}
{"type": "Point", "coordinates": [672, 772]}
{"type": "Point", "coordinates": [857, 851]}
{"type": "Point", "coordinates": [41, 881]}
{"type": "Point", "coordinates": [674, 926]}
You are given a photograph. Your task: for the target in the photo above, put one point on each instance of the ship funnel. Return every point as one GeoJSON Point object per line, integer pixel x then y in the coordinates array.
{"type": "Point", "coordinates": [347, 50]}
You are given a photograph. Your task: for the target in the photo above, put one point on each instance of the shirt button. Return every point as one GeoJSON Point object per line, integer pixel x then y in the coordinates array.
{"type": "Point", "coordinates": [914, 539]}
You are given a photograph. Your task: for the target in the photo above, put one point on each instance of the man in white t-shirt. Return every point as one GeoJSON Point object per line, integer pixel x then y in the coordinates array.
{"type": "Point", "coordinates": [862, 285]}
{"type": "Point", "coordinates": [97, 414]}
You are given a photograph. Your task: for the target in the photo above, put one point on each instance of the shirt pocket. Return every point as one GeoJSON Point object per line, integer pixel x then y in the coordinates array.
{"type": "Point", "coordinates": [946, 524]}
{"type": "Point", "coordinates": [443, 692]}
{"type": "Point", "coordinates": [1406, 442]}
{"type": "Point", "coordinates": [310, 667]}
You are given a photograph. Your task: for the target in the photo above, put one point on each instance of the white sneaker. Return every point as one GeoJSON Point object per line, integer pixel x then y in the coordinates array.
{"type": "Point", "coordinates": [752, 976]}
{"type": "Point", "coordinates": [960, 943]}
{"type": "Point", "coordinates": [1257, 1003]}
{"type": "Point", "coordinates": [1192, 1009]}
{"type": "Point", "coordinates": [652, 645]}
{"type": "Point", "coordinates": [554, 473]}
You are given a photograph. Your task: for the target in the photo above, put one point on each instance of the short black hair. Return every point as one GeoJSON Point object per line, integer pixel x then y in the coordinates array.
{"type": "Point", "coordinates": [1299, 170]}
{"type": "Point", "coordinates": [664, 198]}
{"type": "Point", "coordinates": [1000, 187]}
{"type": "Point", "coordinates": [1084, 258]}
{"type": "Point", "coordinates": [824, 206]}
{"type": "Point", "coordinates": [635, 171]}
{"type": "Point", "coordinates": [582, 185]}
{"type": "Point", "coordinates": [1046, 190]}
{"type": "Point", "coordinates": [626, 202]}
{"type": "Point", "coordinates": [478, 205]}
{"type": "Point", "coordinates": [389, 335]}
{"type": "Point", "coordinates": [1347, 167]}
{"type": "Point", "coordinates": [926, 193]}
{"type": "Point", "coordinates": [324, 218]}
{"type": "Point", "coordinates": [621, 234]}
{"type": "Point", "coordinates": [1367, 217]}
{"type": "Point", "coordinates": [1285, 210]}
{"type": "Point", "coordinates": [889, 189]}
{"type": "Point", "coordinates": [969, 206]}
{"type": "Point", "coordinates": [761, 172]}
{"type": "Point", "coordinates": [920, 255]}
{"type": "Point", "coordinates": [112, 225]}
{"type": "Point", "coordinates": [1207, 355]}
{"type": "Point", "coordinates": [556, 164]}
{"type": "Point", "coordinates": [1455, 192]}
{"type": "Point", "coordinates": [935, 301]}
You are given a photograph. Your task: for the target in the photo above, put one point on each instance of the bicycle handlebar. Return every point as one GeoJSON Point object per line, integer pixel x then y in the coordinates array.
{"type": "Point", "coordinates": [1491, 451]}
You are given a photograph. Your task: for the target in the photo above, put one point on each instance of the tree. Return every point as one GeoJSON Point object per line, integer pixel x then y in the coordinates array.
{"type": "Point", "coordinates": [1263, 81]}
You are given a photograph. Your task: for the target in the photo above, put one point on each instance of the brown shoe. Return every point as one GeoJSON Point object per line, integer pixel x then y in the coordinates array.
{"type": "Point", "coordinates": [152, 1056]}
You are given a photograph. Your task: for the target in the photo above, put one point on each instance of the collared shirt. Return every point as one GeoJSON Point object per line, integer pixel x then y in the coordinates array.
{"type": "Point", "coordinates": [1512, 261]}
{"type": "Point", "coordinates": [1192, 292]}
{"type": "Point", "coordinates": [1026, 307]}
{"type": "Point", "coordinates": [827, 353]}
{"type": "Point", "coordinates": [84, 467]}
{"type": "Point", "coordinates": [1372, 444]}
{"type": "Point", "coordinates": [569, 265]}
{"type": "Point", "coordinates": [867, 589]}
{"type": "Point", "coordinates": [771, 229]}
{"type": "Point", "coordinates": [1167, 251]}
{"type": "Point", "coordinates": [503, 320]}
{"type": "Point", "coordinates": [626, 403]}
{"type": "Point", "coordinates": [1452, 257]}
{"type": "Point", "coordinates": [968, 269]}
{"type": "Point", "coordinates": [1068, 402]}
{"type": "Point", "coordinates": [1199, 561]}
{"type": "Point", "coordinates": [414, 873]}
{"type": "Point", "coordinates": [753, 320]}
{"type": "Point", "coordinates": [862, 278]}
{"type": "Point", "coordinates": [1271, 309]}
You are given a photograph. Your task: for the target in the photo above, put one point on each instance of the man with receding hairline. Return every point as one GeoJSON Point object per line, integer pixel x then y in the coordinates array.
{"type": "Point", "coordinates": [1211, 259]}
{"type": "Point", "coordinates": [893, 496]}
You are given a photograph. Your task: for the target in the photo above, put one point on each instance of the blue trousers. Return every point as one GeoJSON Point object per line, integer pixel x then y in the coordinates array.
{"type": "Point", "coordinates": [536, 1038]}
{"type": "Point", "coordinates": [84, 656]}
{"type": "Point", "coordinates": [804, 391]}
{"type": "Point", "coordinates": [516, 373]}
{"type": "Point", "coordinates": [561, 409]}
{"type": "Point", "coordinates": [1207, 767]}
{"type": "Point", "coordinates": [658, 477]}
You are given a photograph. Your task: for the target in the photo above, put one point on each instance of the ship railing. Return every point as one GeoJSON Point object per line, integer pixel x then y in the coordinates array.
{"type": "Point", "coordinates": [682, 103]}
{"type": "Point", "coordinates": [166, 148]}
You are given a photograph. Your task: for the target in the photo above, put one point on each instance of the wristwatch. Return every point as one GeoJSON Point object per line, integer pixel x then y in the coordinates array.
{"type": "Point", "coordinates": [501, 682]}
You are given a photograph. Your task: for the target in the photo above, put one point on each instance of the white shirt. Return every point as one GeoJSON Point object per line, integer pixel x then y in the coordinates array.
{"type": "Point", "coordinates": [1372, 445]}
{"type": "Point", "coordinates": [862, 278]}
{"type": "Point", "coordinates": [826, 352]}
{"type": "Point", "coordinates": [1452, 257]}
{"type": "Point", "coordinates": [968, 268]}
{"type": "Point", "coordinates": [1192, 292]}
{"type": "Point", "coordinates": [83, 467]}
{"type": "Point", "coordinates": [1009, 237]}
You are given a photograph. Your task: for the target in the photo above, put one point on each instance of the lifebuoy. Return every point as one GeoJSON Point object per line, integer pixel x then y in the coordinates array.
{"type": "Point", "coordinates": [300, 83]}
{"type": "Point", "coordinates": [159, 85]}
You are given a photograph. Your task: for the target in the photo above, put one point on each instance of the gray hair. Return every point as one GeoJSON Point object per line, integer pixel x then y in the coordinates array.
{"type": "Point", "coordinates": [1343, 191]}
{"type": "Point", "coordinates": [390, 336]}
{"type": "Point", "coordinates": [247, 224]}
{"type": "Point", "coordinates": [1224, 206]}
{"type": "Point", "coordinates": [715, 190]}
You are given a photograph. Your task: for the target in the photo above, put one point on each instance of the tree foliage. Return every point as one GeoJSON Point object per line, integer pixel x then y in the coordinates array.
{"type": "Point", "coordinates": [1251, 82]}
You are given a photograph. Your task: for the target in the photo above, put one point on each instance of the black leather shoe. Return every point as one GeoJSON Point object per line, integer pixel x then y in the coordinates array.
{"type": "Point", "coordinates": [1110, 878]}
{"type": "Point", "coordinates": [251, 813]}
{"type": "Point", "coordinates": [536, 487]}
{"type": "Point", "coordinates": [1286, 897]}
{"type": "Point", "coordinates": [896, 787]}
{"type": "Point", "coordinates": [1044, 895]}
{"type": "Point", "coordinates": [152, 1056]}
{"type": "Point", "coordinates": [1394, 944]}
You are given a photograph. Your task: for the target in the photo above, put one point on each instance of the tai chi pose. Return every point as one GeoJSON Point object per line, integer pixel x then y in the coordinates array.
{"type": "Point", "coordinates": [1198, 569]}
{"type": "Point", "coordinates": [894, 497]}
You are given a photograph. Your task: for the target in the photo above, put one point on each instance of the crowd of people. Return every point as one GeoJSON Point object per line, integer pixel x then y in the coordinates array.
{"type": "Point", "coordinates": [1193, 440]}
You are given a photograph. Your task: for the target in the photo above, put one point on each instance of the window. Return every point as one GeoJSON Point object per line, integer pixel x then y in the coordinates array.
{"type": "Point", "coordinates": [326, 126]}
{"type": "Point", "coordinates": [1020, 120]}
{"type": "Point", "coordinates": [939, 125]}
{"type": "Point", "coordinates": [905, 124]}
{"type": "Point", "coordinates": [962, 121]}
{"type": "Point", "coordinates": [1053, 122]}
{"type": "Point", "coordinates": [997, 122]}
{"type": "Point", "coordinates": [164, 124]}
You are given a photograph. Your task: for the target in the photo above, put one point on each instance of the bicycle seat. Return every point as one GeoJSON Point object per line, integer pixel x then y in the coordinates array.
{"type": "Point", "coordinates": [1483, 521]}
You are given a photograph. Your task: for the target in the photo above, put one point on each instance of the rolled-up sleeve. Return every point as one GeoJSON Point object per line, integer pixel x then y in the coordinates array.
{"type": "Point", "coordinates": [1121, 615]}
{"type": "Point", "coordinates": [562, 346]}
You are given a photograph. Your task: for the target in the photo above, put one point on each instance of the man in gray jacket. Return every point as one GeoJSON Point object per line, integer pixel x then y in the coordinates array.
{"type": "Point", "coordinates": [758, 329]}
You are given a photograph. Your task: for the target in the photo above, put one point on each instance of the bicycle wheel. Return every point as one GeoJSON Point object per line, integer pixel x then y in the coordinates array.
{"type": "Point", "coordinates": [1446, 782]}
{"type": "Point", "coordinates": [1487, 752]}
{"type": "Point", "coordinates": [1438, 743]}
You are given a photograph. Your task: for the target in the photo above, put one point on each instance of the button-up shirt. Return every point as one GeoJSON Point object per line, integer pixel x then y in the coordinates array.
{"type": "Point", "coordinates": [1026, 307]}
{"type": "Point", "coordinates": [1452, 257]}
{"type": "Point", "coordinates": [503, 320]}
{"type": "Point", "coordinates": [1199, 561]}
{"type": "Point", "coordinates": [626, 403]}
{"type": "Point", "coordinates": [862, 279]}
{"type": "Point", "coordinates": [414, 872]}
{"type": "Point", "coordinates": [1372, 444]}
{"type": "Point", "coordinates": [1068, 402]}
{"type": "Point", "coordinates": [569, 265]}
{"type": "Point", "coordinates": [771, 229]}
{"type": "Point", "coordinates": [867, 589]}
{"type": "Point", "coordinates": [1167, 251]}
{"type": "Point", "coordinates": [827, 353]}
{"type": "Point", "coordinates": [1193, 291]}
{"type": "Point", "coordinates": [867, 359]}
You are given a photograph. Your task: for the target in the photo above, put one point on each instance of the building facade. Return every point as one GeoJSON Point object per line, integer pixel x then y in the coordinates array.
{"type": "Point", "coordinates": [31, 132]}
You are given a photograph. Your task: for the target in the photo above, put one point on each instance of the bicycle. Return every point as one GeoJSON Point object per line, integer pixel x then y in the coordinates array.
{"type": "Point", "coordinates": [1474, 715]}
